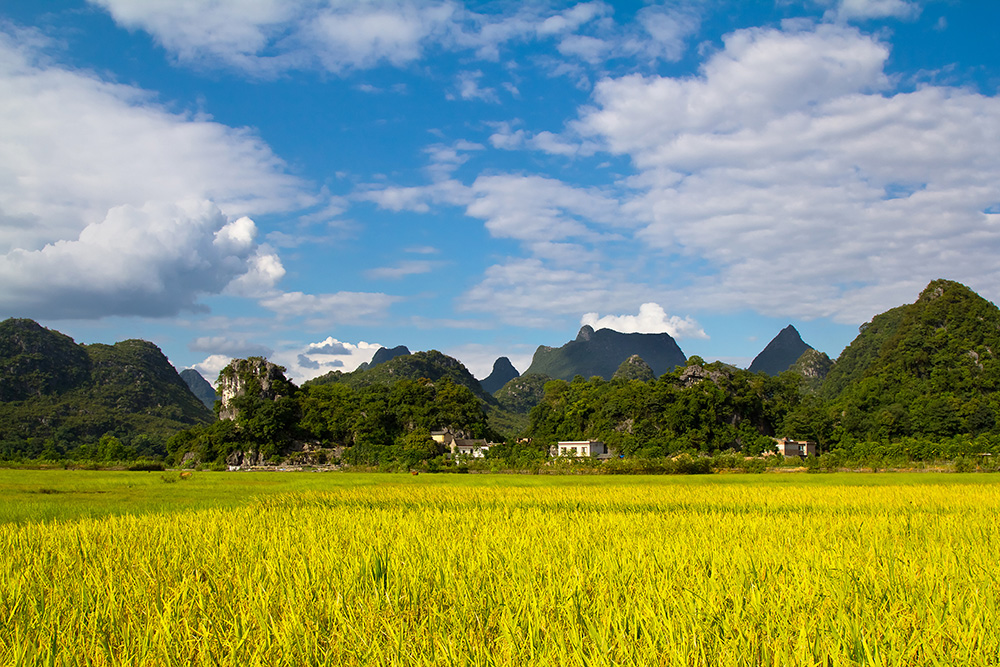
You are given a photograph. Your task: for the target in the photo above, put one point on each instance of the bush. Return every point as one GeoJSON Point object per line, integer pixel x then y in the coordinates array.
{"type": "Point", "coordinates": [964, 464]}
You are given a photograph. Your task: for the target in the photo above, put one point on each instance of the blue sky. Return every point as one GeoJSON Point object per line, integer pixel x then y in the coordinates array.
{"type": "Point", "coordinates": [311, 179]}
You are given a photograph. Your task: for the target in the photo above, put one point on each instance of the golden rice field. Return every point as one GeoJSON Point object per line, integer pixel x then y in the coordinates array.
{"type": "Point", "coordinates": [742, 570]}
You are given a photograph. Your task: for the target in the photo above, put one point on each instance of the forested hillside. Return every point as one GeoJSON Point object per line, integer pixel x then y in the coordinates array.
{"type": "Point", "coordinates": [701, 407]}
{"type": "Point", "coordinates": [928, 369]}
{"type": "Point", "coordinates": [121, 400]}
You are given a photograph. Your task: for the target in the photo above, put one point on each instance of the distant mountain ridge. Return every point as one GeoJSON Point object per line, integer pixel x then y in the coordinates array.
{"type": "Point", "coordinates": [781, 353]}
{"type": "Point", "coordinates": [601, 352]}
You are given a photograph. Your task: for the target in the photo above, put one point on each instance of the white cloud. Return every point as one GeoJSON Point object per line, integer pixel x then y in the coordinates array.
{"type": "Point", "coordinates": [535, 208]}
{"type": "Point", "coordinates": [267, 37]}
{"type": "Point", "coordinates": [651, 319]}
{"type": "Point", "coordinates": [801, 186]}
{"type": "Point", "coordinates": [875, 9]}
{"type": "Point", "coordinates": [586, 48]}
{"type": "Point", "coordinates": [669, 31]}
{"type": "Point", "coordinates": [526, 208]}
{"type": "Point", "coordinates": [445, 159]}
{"type": "Point", "coordinates": [109, 204]}
{"type": "Point", "coordinates": [212, 365]}
{"type": "Point", "coordinates": [73, 146]}
{"type": "Point", "coordinates": [315, 359]}
{"type": "Point", "coordinates": [469, 88]}
{"type": "Point", "coordinates": [528, 292]}
{"type": "Point", "coordinates": [572, 18]}
{"type": "Point", "coordinates": [401, 270]}
{"type": "Point", "coordinates": [153, 261]}
{"type": "Point", "coordinates": [328, 309]}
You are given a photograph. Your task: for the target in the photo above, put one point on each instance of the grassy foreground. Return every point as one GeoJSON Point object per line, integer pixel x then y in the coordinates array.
{"type": "Point", "coordinates": [304, 569]}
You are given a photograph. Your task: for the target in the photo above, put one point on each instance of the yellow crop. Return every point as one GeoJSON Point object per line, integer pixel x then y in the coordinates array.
{"type": "Point", "coordinates": [596, 574]}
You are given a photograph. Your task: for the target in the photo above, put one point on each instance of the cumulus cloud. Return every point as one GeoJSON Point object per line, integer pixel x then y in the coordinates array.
{"type": "Point", "coordinates": [212, 365]}
{"type": "Point", "coordinates": [651, 319]}
{"type": "Point", "coordinates": [329, 346]}
{"type": "Point", "coordinates": [153, 261]}
{"type": "Point", "coordinates": [304, 362]}
{"type": "Point", "coordinates": [111, 205]}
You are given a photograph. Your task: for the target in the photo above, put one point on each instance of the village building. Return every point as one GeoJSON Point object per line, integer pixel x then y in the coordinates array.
{"type": "Point", "coordinates": [581, 448]}
{"type": "Point", "coordinates": [790, 448]}
{"type": "Point", "coordinates": [472, 447]}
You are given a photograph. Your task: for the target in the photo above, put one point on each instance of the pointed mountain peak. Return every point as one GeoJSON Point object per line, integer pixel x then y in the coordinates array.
{"type": "Point", "coordinates": [779, 355]}
{"type": "Point", "coordinates": [789, 332]}
{"type": "Point", "coordinates": [503, 372]}
{"type": "Point", "coordinates": [586, 332]}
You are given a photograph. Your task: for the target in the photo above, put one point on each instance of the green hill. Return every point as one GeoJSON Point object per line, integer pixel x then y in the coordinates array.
{"type": "Point", "coordinates": [927, 369]}
{"type": "Point", "coordinates": [431, 365]}
{"type": "Point", "coordinates": [53, 388]}
{"type": "Point", "coordinates": [503, 372]}
{"type": "Point", "coordinates": [634, 368]}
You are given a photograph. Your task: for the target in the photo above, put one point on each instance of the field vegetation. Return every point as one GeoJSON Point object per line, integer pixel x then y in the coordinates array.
{"type": "Point", "coordinates": [339, 569]}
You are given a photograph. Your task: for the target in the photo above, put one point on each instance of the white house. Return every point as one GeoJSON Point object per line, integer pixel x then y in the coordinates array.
{"type": "Point", "coordinates": [581, 448]}
{"type": "Point", "coordinates": [475, 448]}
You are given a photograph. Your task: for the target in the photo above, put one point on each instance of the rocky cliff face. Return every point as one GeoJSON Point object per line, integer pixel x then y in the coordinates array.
{"type": "Point", "coordinates": [254, 377]}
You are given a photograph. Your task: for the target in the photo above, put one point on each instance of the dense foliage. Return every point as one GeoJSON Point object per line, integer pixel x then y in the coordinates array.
{"type": "Point", "coordinates": [700, 407]}
{"type": "Point", "coordinates": [431, 365]}
{"type": "Point", "coordinates": [927, 370]}
{"type": "Point", "coordinates": [372, 424]}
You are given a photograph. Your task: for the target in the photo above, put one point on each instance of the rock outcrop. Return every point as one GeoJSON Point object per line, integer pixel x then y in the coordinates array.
{"type": "Point", "coordinates": [254, 377]}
